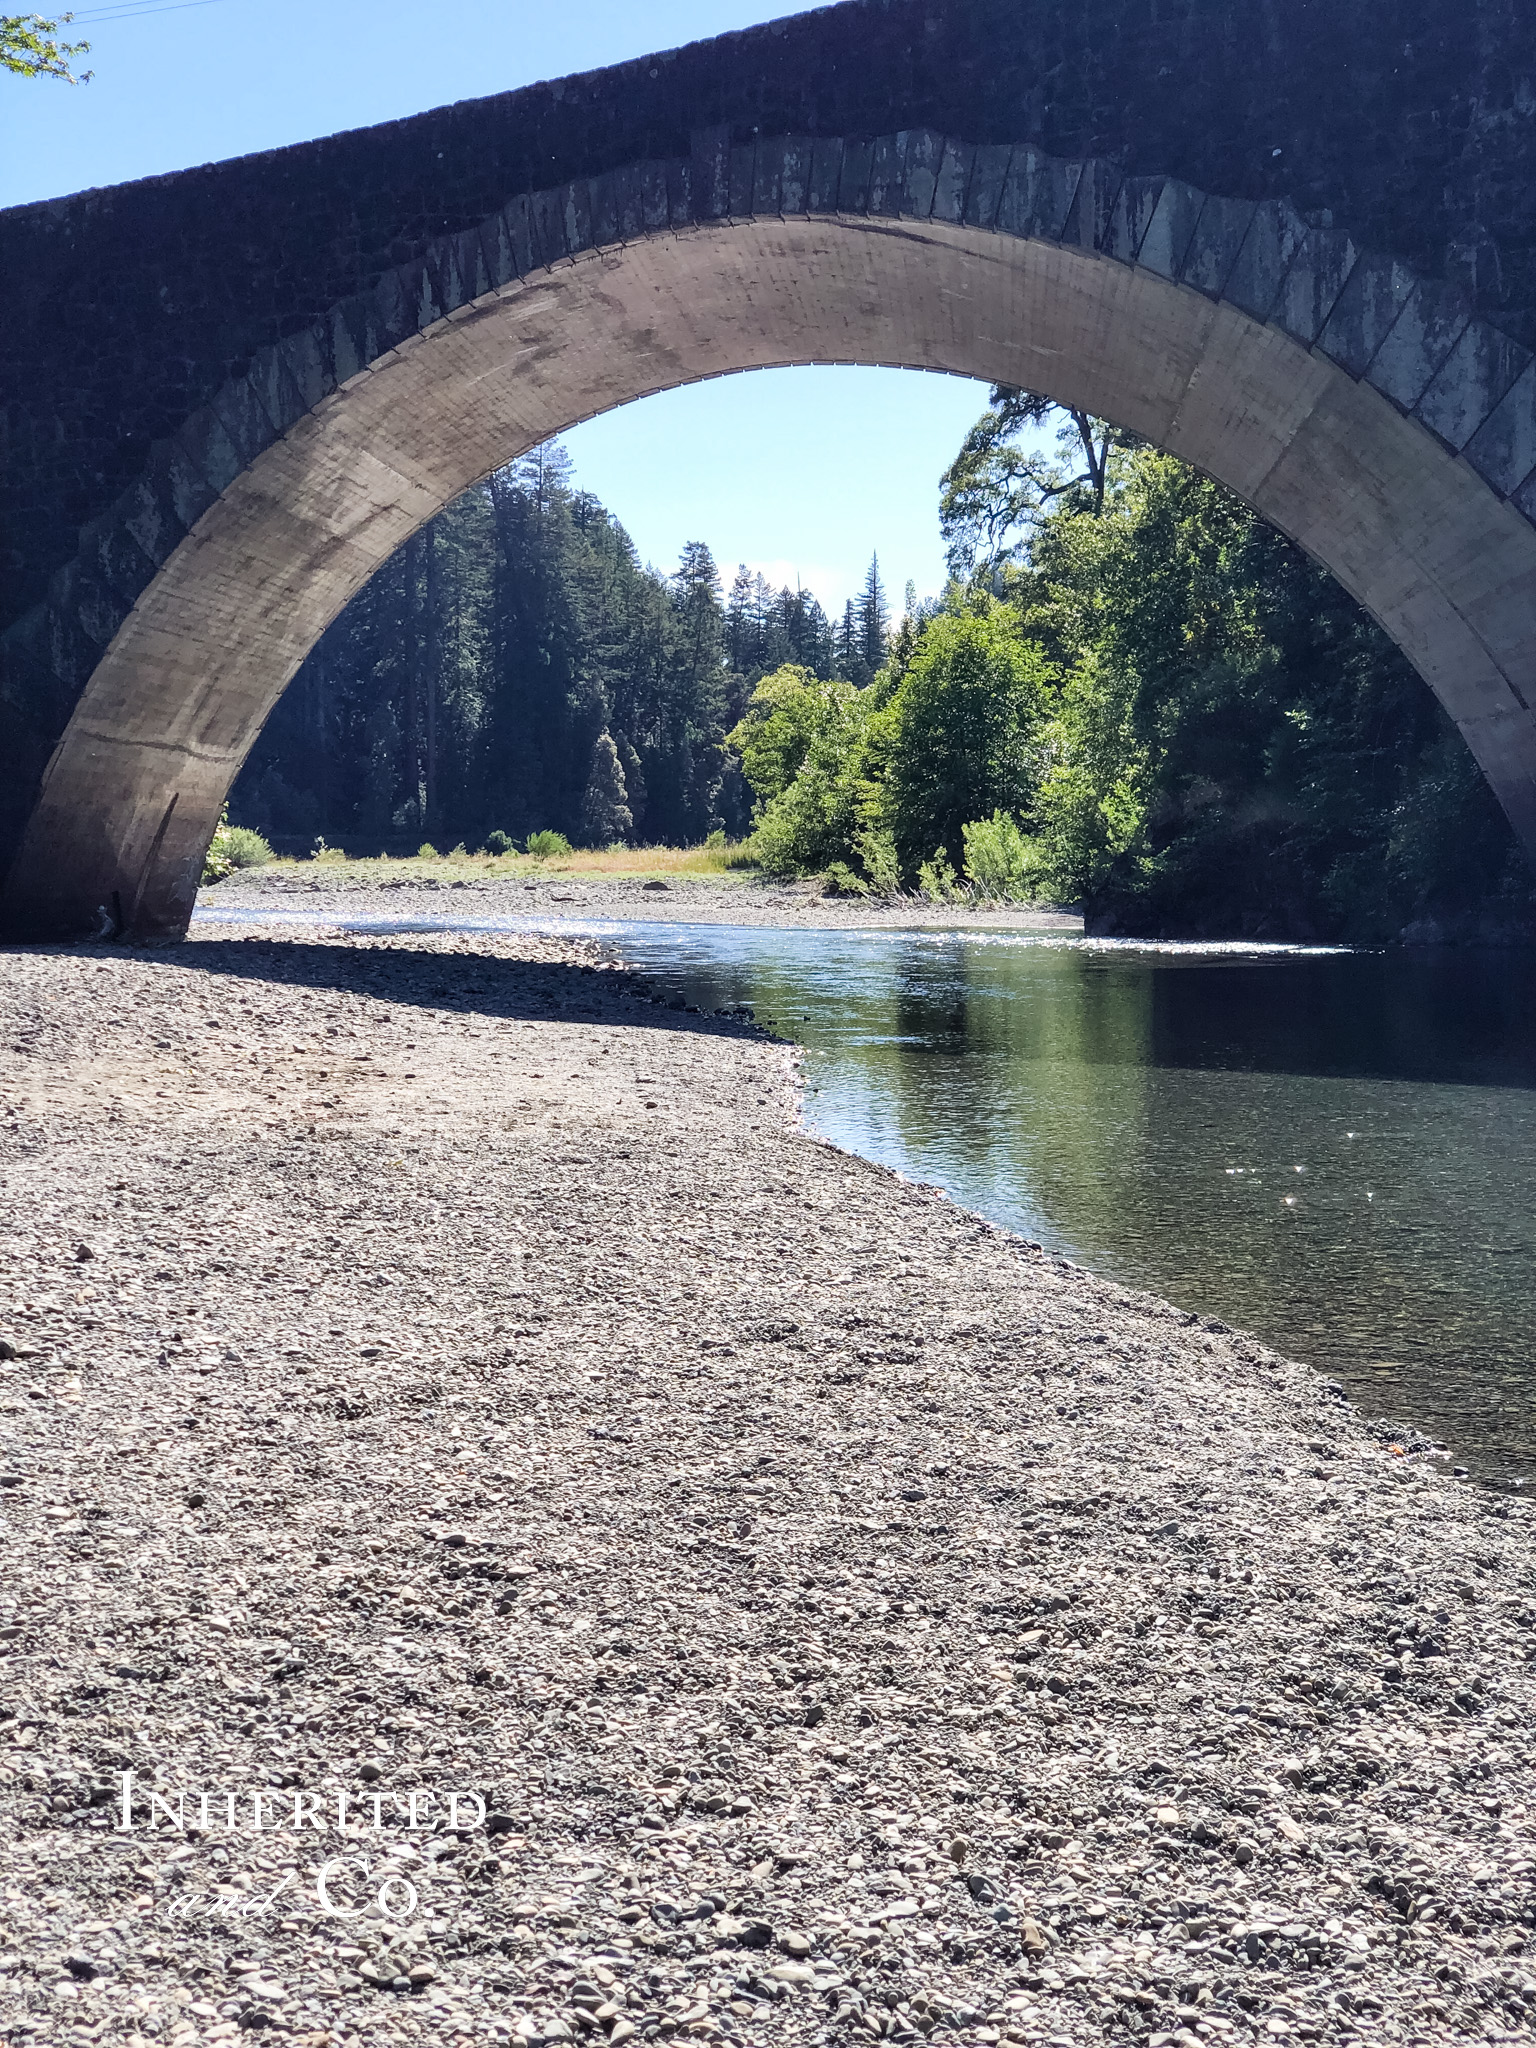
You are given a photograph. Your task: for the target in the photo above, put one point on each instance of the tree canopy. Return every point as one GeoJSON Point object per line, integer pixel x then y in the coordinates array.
{"type": "Point", "coordinates": [515, 667]}
{"type": "Point", "coordinates": [30, 48]}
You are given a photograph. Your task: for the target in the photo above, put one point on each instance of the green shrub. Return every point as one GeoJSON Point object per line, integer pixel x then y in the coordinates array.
{"type": "Point", "coordinates": [998, 858]}
{"type": "Point", "coordinates": [937, 880]}
{"type": "Point", "coordinates": [548, 845]}
{"type": "Point", "coordinates": [840, 880]}
{"type": "Point", "coordinates": [741, 855]}
{"type": "Point", "coordinates": [245, 848]}
{"type": "Point", "coordinates": [458, 852]}
{"type": "Point", "coordinates": [231, 848]}
{"type": "Point", "coordinates": [716, 840]}
{"type": "Point", "coordinates": [877, 850]}
{"type": "Point", "coordinates": [428, 852]}
{"type": "Point", "coordinates": [498, 843]}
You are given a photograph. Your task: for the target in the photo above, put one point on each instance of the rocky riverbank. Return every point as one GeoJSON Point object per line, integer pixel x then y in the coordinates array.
{"type": "Point", "coordinates": [430, 1370]}
{"type": "Point", "coordinates": [321, 889]}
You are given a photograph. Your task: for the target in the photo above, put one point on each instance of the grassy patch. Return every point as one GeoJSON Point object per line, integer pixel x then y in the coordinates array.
{"type": "Point", "coordinates": [639, 863]}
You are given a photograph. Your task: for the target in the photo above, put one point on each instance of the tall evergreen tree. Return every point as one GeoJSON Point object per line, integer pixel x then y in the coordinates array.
{"type": "Point", "coordinates": [873, 624]}
{"type": "Point", "coordinates": [467, 687]}
{"type": "Point", "coordinates": [605, 812]}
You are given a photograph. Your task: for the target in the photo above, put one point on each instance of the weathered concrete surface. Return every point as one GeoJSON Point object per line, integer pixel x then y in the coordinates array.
{"type": "Point", "coordinates": [251, 383]}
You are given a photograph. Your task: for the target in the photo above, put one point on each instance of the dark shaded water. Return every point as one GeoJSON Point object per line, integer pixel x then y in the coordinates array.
{"type": "Point", "coordinates": [1337, 1151]}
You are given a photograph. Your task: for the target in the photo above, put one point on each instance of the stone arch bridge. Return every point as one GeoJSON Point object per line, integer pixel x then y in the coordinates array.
{"type": "Point", "coordinates": [1294, 243]}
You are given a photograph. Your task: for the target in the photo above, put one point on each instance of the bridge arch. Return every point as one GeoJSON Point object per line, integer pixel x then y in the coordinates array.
{"type": "Point", "coordinates": [1361, 410]}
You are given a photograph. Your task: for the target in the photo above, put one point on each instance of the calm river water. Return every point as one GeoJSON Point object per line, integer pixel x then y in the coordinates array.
{"type": "Point", "coordinates": [1336, 1151]}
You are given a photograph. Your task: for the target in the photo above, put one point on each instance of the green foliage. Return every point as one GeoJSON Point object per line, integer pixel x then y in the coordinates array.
{"type": "Point", "coordinates": [467, 685]}
{"type": "Point", "coordinates": [232, 848]}
{"type": "Point", "coordinates": [840, 880]}
{"type": "Point", "coordinates": [999, 859]}
{"type": "Point", "coordinates": [498, 843]}
{"type": "Point", "coordinates": [801, 745]}
{"type": "Point", "coordinates": [606, 819]}
{"type": "Point", "coordinates": [30, 47]}
{"type": "Point", "coordinates": [966, 726]}
{"type": "Point", "coordinates": [548, 845]}
{"type": "Point", "coordinates": [1003, 483]}
{"type": "Point", "coordinates": [428, 851]}
{"type": "Point", "coordinates": [877, 852]}
{"type": "Point", "coordinates": [730, 857]}
{"type": "Point", "coordinates": [1237, 750]}
{"type": "Point", "coordinates": [936, 878]}
{"type": "Point", "coordinates": [783, 717]}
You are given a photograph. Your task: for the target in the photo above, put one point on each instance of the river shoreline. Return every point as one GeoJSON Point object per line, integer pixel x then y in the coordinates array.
{"type": "Point", "coordinates": [725, 899]}
{"type": "Point", "coordinates": [437, 1370]}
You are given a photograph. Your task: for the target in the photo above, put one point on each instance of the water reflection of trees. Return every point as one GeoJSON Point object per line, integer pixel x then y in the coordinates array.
{"type": "Point", "coordinates": [1099, 1103]}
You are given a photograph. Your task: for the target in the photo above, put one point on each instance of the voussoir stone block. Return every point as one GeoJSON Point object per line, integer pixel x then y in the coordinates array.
{"type": "Point", "coordinates": [1433, 319]}
{"type": "Point", "coordinates": [1313, 284]}
{"type": "Point", "coordinates": [711, 181]}
{"type": "Point", "coordinates": [1366, 311]}
{"type": "Point", "coordinates": [1130, 217]}
{"type": "Point", "coordinates": [826, 175]}
{"type": "Point", "coordinates": [1275, 234]}
{"type": "Point", "coordinates": [1471, 383]}
{"type": "Point", "coordinates": [1171, 229]}
{"type": "Point", "coordinates": [1093, 201]}
{"type": "Point", "coordinates": [1216, 244]}
{"type": "Point", "coordinates": [924, 157]}
{"type": "Point", "coordinates": [1504, 447]}
{"type": "Point", "coordinates": [989, 177]}
{"type": "Point", "coordinates": [952, 181]}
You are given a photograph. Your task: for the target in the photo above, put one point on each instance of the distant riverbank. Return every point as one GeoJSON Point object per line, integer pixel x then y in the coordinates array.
{"type": "Point", "coordinates": [318, 887]}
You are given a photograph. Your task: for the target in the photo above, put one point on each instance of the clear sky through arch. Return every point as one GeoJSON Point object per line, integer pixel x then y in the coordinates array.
{"type": "Point", "coordinates": [802, 474]}
{"type": "Point", "coordinates": [796, 472]}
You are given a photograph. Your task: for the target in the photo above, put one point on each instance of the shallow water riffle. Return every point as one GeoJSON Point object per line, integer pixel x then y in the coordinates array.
{"type": "Point", "coordinates": [1335, 1150]}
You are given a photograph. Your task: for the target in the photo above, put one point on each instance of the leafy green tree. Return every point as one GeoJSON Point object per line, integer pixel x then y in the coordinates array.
{"type": "Point", "coordinates": [30, 48]}
{"type": "Point", "coordinates": [965, 729]}
{"type": "Point", "coordinates": [998, 859]}
{"type": "Point", "coordinates": [1238, 750]}
{"type": "Point", "coordinates": [774, 736]}
{"type": "Point", "coordinates": [767, 629]}
{"type": "Point", "coordinates": [1003, 483]}
{"type": "Point", "coordinates": [802, 744]}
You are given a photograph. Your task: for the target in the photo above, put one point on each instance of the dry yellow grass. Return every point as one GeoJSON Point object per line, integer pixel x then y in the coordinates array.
{"type": "Point", "coordinates": [661, 863]}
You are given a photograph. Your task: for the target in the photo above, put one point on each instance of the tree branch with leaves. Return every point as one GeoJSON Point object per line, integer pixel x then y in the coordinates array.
{"type": "Point", "coordinates": [995, 492]}
{"type": "Point", "coordinates": [30, 47]}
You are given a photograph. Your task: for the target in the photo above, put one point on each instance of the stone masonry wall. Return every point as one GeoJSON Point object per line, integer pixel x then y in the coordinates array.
{"type": "Point", "coordinates": [1411, 123]}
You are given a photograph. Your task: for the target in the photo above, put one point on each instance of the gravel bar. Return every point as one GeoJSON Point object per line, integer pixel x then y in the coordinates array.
{"type": "Point", "coordinates": [507, 1539]}
{"type": "Point", "coordinates": [320, 890]}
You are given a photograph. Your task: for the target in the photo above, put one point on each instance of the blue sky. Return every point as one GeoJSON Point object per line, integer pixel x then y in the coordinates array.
{"type": "Point", "coordinates": [794, 471]}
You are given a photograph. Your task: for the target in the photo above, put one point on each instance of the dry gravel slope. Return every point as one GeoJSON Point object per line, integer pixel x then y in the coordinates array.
{"type": "Point", "coordinates": [437, 1370]}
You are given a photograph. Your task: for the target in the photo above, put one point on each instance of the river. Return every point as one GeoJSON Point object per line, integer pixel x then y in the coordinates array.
{"type": "Point", "coordinates": [1334, 1150]}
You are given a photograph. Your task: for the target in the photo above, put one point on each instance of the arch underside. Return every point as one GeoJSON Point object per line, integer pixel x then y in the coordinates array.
{"type": "Point", "coordinates": [1412, 530]}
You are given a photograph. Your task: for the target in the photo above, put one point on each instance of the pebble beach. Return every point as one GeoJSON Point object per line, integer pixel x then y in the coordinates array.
{"type": "Point", "coordinates": [506, 1538]}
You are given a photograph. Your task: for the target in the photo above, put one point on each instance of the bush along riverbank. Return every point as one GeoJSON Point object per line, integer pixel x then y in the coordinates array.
{"type": "Point", "coordinates": [431, 1373]}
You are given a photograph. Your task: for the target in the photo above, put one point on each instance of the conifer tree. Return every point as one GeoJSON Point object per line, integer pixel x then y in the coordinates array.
{"type": "Point", "coordinates": [605, 812]}
{"type": "Point", "coordinates": [874, 619]}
